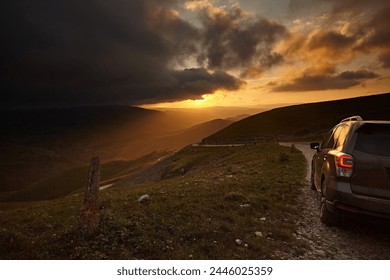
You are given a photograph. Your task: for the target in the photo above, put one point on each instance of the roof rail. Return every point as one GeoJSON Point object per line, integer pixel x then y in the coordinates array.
{"type": "Point", "coordinates": [353, 118]}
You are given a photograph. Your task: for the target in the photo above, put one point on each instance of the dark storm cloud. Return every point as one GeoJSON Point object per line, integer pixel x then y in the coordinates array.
{"type": "Point", "coordinates": [233, 39]}
{"type": "Point", "coordinates": [343, 80]}
{"type": "Point", "coordinates": [330, 40]}
{"type": "Point", "coordinates": [86, 52]}
{"type": "Point", "coordinates": [358, 75]}
{"type": "Point", "coordinates": [194, 82]}
{"type": "Point", "coordinates": [197, 81]}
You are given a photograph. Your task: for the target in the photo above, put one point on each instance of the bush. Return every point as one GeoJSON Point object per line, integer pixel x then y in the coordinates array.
{"type": "Point", "coordinates": [283, 157]}
{"type": "Point", "coordinates": [293, 149]}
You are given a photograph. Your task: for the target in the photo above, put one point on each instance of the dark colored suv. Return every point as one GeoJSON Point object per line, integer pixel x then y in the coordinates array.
{"type": "Point", "coordinates": [351, 169]}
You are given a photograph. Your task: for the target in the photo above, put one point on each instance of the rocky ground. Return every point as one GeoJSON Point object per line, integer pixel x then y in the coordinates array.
{"type": "Point", "coordinates": [352, 239]}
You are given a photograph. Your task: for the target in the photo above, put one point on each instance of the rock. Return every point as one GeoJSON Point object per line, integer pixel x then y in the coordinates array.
{"type": "Point", "coordinates": [263, 219]}
{"type": "Point", "coordinates": [239, 242]}
{"type": "Point", "coordinates": [321, 253]}
{"type": "Point", "coordinates": [246, 205]}
{"type": "Point", "coordinates": [144, 199]}
{"type": "Point", "coordinates": [258, 234]}
{"type": "Point", "coordinates": [199, 181]}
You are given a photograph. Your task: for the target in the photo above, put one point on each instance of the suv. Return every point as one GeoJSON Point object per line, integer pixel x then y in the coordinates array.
{"type": "Point", "coordinates": [351, 169]}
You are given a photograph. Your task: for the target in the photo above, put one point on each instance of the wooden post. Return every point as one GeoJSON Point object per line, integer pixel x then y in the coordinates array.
{"type": "Point", "coordinates": [89, 216]}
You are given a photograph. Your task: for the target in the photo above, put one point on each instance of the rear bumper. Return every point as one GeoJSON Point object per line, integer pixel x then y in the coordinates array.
{"type": "Point", "coordinates": [341, 199]}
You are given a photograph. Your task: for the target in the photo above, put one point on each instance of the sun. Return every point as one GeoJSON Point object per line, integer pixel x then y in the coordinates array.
{"type": "Point", "coordinates": [204, 101]}
{"type": "Point", "coordinates": [199, 102]}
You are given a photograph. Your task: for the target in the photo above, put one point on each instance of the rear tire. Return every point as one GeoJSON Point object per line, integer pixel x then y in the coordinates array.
{"type": "Point", "coordinates": [312, 184]}
{"type": "Point", "coordinates": [327, 217]}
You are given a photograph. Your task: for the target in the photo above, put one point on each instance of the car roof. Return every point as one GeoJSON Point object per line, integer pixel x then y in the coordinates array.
{"type": "Point", "coordinates": [359, 120]}
{"type": "Point", "coordinates": [357, 124]}
{"type": "Point", "coordinates": [377, 122]}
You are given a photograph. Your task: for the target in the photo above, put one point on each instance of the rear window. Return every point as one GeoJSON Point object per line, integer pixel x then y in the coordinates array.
{"type": "Point", "coordinates": [374, 139]}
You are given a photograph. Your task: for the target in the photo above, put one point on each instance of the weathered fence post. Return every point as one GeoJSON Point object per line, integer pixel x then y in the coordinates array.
{"type": "Point", "coordinates": [89, 216]}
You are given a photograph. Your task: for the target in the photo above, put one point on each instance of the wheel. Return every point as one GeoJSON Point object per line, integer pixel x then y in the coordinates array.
{"type": "Point", "coordinates": [312, 184]}
{"type": "Point", "coordinates": [327, 217]}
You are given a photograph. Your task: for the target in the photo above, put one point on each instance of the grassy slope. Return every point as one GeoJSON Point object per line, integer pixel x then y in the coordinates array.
{"type": "Point", "coordinates": [305, 121]}
{"type": "Point", "coordinates": [74, 179]}
{"type": "Point", "coordinates": [38, 144]}
{"type": "Point", "coordinates": [193, 134]}
{"type": "Point", "coordinates": [222, 194]}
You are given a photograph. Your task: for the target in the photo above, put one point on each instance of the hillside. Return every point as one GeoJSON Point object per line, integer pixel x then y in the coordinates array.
{"type": "Point", "coordinates": [302, 122]}
{"type": "Point", "coordinates": [193, 134]}
{"type": "Point", "coordinates": [38, 144]}
{"type": "Point", "coordinates": [215, 203]}
{"type": "Point", "coordinates": [74, 179]}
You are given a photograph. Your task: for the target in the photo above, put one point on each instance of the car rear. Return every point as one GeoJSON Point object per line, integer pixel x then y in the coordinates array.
{"type": "Point", "coordinates": [370, 167]}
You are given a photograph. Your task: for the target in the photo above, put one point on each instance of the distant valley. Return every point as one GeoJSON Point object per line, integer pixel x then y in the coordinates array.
{"type": "Point", "coordinates": [43, 150]}
{"type": "Point", "coordinates": [38, 144]}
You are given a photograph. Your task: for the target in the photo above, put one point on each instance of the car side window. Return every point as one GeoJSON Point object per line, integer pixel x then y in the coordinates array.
{"type": "Point", "coordinates": [328, 140]}
{"type": "Point", "coordinates": [332, 138]}
{"type": "Point", "coordinates": [342, 132]}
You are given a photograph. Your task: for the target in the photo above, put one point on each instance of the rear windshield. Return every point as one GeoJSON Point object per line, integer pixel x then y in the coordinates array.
{"type": "Point", "coordinates": [374, 139]}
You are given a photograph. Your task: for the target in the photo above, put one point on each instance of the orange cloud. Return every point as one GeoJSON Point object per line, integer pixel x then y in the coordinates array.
{"type": "Point", "coordinates": [343, 80]}
{"type": "Point", "coordinates": [314, 57]}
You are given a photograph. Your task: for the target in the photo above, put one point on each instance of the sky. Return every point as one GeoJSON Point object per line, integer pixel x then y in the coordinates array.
{"type": "Point", "coordinates": [195, 53]}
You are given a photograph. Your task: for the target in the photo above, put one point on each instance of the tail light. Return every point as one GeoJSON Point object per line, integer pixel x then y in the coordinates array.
{"type": "Point", "coordinates": [344, 165]}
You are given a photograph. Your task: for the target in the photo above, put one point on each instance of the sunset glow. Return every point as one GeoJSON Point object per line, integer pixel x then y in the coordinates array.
{"type": "Point", "coordinates": [194, 53]}
{"type": "Point", "coordinates": [182, 130]}
{"type": "Point", "coordinates": [322, 55]}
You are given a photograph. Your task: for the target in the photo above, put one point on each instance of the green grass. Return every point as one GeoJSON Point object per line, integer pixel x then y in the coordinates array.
{"type": "Point", "coordinates": [223, 195]}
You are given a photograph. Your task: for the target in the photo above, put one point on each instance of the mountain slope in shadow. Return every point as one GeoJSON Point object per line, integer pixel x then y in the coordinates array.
{"type": "Point", "coordinates": [37, 144]}
{"type": "Point", "coordinates": [302, 122]}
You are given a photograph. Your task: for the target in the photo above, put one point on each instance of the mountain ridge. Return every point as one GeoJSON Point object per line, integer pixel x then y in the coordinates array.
{"type": "Point", "coordinates": [301, 122]}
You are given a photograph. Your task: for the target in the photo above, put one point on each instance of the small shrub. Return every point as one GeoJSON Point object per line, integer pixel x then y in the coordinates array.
{"type": "Point", "coordinates": [236, 197]}
{"type": "Point", "coordinates": [283, 157]}
{"type": "Point", "coordinates": [293, 149]}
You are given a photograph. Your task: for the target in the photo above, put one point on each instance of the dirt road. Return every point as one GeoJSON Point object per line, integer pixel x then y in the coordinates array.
{"type": "Point", "coordinates": [352, 239]}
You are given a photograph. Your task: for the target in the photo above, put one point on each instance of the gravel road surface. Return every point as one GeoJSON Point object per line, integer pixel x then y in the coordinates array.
{"type": "Point", "coordinates": [353, 239]}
